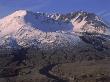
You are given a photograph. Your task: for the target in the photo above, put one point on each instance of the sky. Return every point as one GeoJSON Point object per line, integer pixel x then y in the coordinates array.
{"type": "Point", "coordinates": [100, 7]}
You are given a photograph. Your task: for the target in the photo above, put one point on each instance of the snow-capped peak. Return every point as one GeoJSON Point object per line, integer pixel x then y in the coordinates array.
{"type": "Point", "coordinates": [19, 13]}
{"type": "Point", "coordinates": [28, 28]}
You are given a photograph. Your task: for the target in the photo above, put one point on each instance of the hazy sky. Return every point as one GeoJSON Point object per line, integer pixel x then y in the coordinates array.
{"type": "Point", "coordinates": [100, 7]}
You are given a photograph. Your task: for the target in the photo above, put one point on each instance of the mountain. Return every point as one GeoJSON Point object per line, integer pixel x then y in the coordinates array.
{"type": "Point", "coordinates": [38, 46]}
{"type": "Point", "coordinates": [48, 31]}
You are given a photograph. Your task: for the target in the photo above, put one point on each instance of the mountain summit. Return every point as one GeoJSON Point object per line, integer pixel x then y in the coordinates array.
{"type": "Point", "coordinates": [25, 28]}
